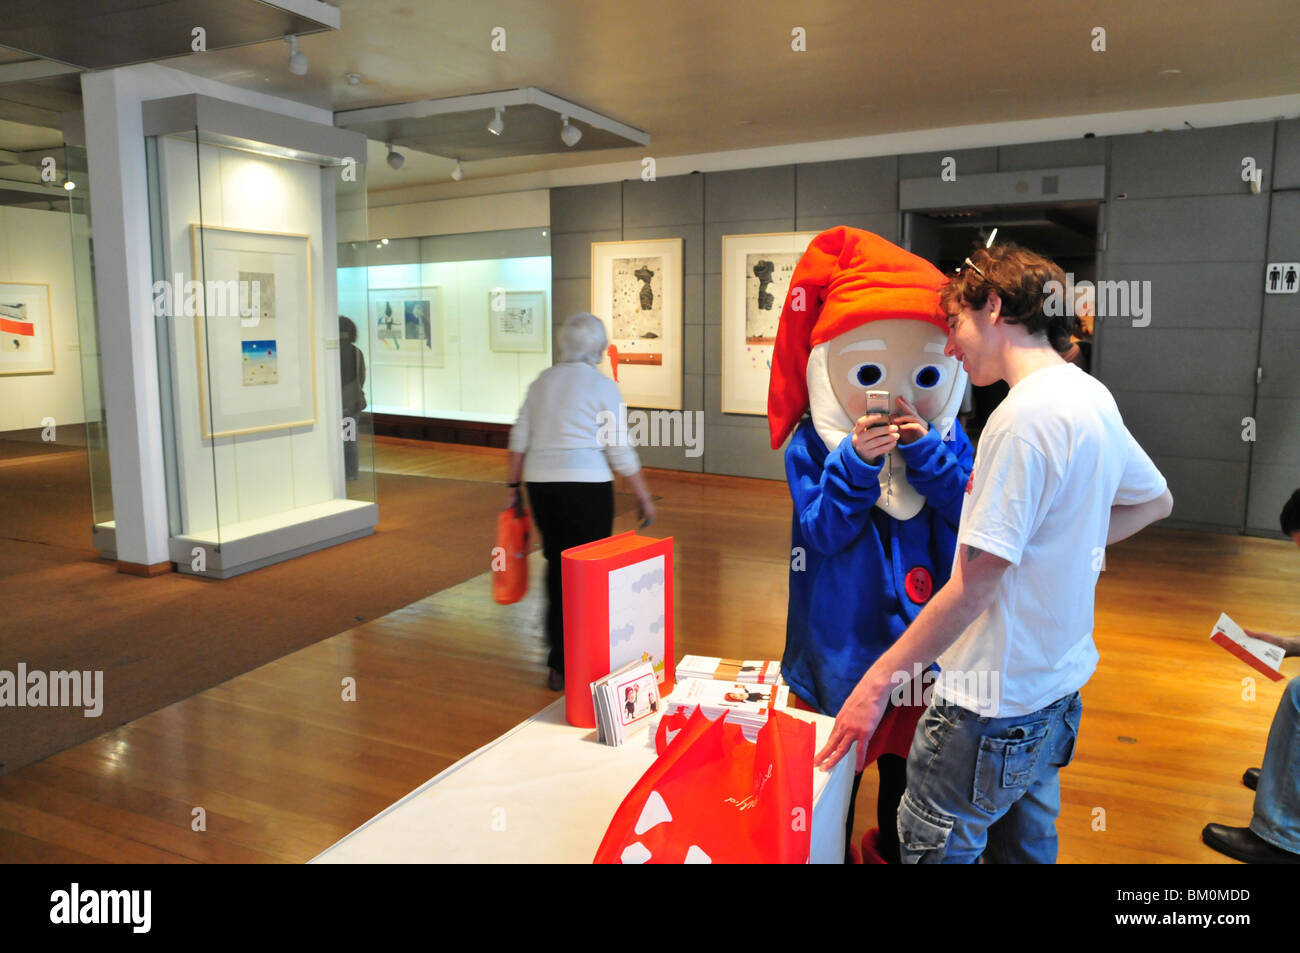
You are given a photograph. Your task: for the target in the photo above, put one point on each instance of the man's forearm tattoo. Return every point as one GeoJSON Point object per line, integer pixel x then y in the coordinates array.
{"type": "Point", "coordinates": [972, 552]}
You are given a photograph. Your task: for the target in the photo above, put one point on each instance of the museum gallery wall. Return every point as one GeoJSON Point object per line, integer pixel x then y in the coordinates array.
{"type": "Point", "coordinates": [454, 339]}
{"type": "Point", "coordinates": [40, 374]}
{"type": "Point", "coordinates": [254, 392]}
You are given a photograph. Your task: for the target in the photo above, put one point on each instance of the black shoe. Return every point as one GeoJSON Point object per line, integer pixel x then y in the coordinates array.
{"type": "Point", "coordinates": [1243, 844]}
{"type": "Point", "coordinates": [555, 681]}
{"type": "Point", "coordinates": [1251, 778]}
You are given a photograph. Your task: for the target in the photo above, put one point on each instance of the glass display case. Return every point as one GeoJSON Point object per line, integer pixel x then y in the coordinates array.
{"type": "Point", "coordinates": [453, 326]}
{"type": "Point", "coordinates": [265, 413]}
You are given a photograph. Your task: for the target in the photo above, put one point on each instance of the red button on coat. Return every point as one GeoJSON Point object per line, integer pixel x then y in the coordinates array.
{"type": "Point", "coordinates": [919, 585]}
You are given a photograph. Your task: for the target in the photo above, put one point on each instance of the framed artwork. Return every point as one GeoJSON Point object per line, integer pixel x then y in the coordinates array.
{"type": "Point", "coordinates": [756, 272]}
{"type": "Point", "coordinates": [26, 333]}
{"type": "Point", "coordinates": [517, 320]}
{"type": "Point", "coordinates": [636, 289]}
{"type": "Point", "coordinates": [255, 331]}
{"type": "Point", "coordinates": [406, 326]}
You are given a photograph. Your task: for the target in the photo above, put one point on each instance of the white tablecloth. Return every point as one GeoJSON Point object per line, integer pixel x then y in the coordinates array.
{"type": "Point", "coordinates": [544, 792]}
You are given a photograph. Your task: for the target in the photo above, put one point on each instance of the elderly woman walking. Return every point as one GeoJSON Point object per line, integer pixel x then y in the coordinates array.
{"type": "Point", "coordinates": [563, 446]}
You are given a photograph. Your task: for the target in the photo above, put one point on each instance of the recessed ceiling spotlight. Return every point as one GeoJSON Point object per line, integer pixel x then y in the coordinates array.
{"type": "Point", "coordinates": [383, 241]}
{"type": "Point", "coordinates": [297, 58]}
{"type": "Point", "coordinates": [395, 158]}
{"type": "Point", "coordinates": [354, 79]}
{"type": "Point", "coordinates": [458, 173]}
{"type": "Point", "coordinates": [1170, 72]}
{"type": "Point", "coordinates": [497, 125]}
{"type": "Point", "coordinates": [570, 135]}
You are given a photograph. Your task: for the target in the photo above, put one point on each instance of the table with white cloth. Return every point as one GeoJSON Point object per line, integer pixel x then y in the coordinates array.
{"type": "Point", "coordinates": [545, 792]}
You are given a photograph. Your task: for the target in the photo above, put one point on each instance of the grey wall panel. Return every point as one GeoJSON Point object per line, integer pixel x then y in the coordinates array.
{"type": "Point", "coordinates": [1187, 424]}
{"type": "Point", "coordinates": [924, 164]}
{"type": "Point", "coordinates": [568, 296]}
{"type": "Point", "coordinates": [676, 200]}
{"type": "Point", "coordinates": [1284, 228]}
{"type": "Point", "coordinates": [693, 349]}
{"type": "Point", "coordinates": [1211, 228]}
{"type": "Point", "coordinates": [1208, 294]}
{"type": "Point", "coordinates": [749, 193]}
{"type": "Point", "coordinates": [586, 208]}
{"type": "Point", "coordinates": [571, 252]}
{"type": "Point", "coordinates": [1188, 162]}
{"type": "Point", "coordinates": [1207, 492]}
{"type": "Point", "coordinates": [1287, 173]}
{"type": "Point", "coordinates": [884, 224]}
{"type": "Point", "coordinates": [1279, 356]}
{"type": "Point", "coordinates": [1276, 441]}
{"type": "Point", "coordinates": [742, 451]}
{"type": "Point", "coordinates": [713, 299]}
{"type": "Point", "coordinates": [693, 293]}
{"type": "Point", "coordinates": [1050, 155]}
{"type": "Point", "coordinates": [693, 392]}
{"type": "Point", "coordinates": [692, 237]}
{"type": "Point", "coordinates": [1270, 487]}
{"type": "Point", "coordinates": [713, 349]}
{"type": "Point", "coordinates": [1180, 361]}
{"type": "Point", "coordinates": [850, 185]}
{"type": "Point", "coordinates": [670, 458]}
{"type": "Point", "coordinates": [714, 230]}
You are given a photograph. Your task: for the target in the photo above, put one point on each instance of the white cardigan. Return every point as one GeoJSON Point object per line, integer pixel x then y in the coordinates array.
{"type": "Point", "coordinates": [573, 427]}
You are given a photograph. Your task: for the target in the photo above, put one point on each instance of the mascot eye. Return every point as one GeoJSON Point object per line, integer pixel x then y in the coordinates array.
{"type": "Point", "coordinates": [928, 376]}
{"type": "Point", "coordinates": [867, 375]}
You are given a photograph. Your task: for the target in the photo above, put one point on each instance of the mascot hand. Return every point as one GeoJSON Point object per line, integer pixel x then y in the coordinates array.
{"type": "Point", "coordinates": [871, 440]}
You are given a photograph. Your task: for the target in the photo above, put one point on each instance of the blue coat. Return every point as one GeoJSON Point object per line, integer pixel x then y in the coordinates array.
{"type": "Point", "coordinates": [849, 601]}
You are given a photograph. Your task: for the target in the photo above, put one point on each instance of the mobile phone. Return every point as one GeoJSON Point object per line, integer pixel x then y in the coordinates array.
{"type": "Point", "coordinates": [878, 403]}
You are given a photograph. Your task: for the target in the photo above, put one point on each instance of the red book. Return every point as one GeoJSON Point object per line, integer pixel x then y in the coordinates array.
{"type": "Point", "coordinates": [618, 607]}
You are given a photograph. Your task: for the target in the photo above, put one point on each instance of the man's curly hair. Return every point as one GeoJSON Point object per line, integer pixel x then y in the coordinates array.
{"type": "Point", "coordinates": [1019, 277]}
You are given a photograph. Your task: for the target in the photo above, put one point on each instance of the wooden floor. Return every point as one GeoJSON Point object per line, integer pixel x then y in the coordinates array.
{"type": "Point", "coordinates": [275, 765]}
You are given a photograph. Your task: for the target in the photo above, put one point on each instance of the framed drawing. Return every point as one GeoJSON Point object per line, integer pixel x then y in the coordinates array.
{"type": "Point", "coordinates": [516, 320]}
{"type": "Point", "coordinates": [26, 333]}
{"type": "Point", "coordinates": [756, 272]}
{"type": "Point", "coordinates": [255, 331]}
{"type": "Point", "coordinates": [636, 289]}
{"type": "Point", "coordinates": [406, 326]}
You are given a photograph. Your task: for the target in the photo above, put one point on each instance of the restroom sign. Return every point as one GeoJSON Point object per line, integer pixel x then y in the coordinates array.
{"type": "Point", "coordinates": [1282, 278]}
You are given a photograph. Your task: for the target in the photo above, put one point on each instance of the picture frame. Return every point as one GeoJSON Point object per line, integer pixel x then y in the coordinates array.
{"type": "Point", "coordinates": [756, 272]}
{"type": "Point", "coordinates": [256, 354]}
{"type": "Point", "coordinates": [636, 290]}
{"type": "Point", "coordinates": [26, 329]}
{"type": "Point", "coordinates": [517, 321]}
{"type": "Point", "coordinates": [406, 326]}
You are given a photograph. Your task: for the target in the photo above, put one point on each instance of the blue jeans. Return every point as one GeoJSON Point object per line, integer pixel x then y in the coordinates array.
{"type": "Point", "coordinates": [986, 786]}
{"type": "Point", "coordinates": [1277, 798]}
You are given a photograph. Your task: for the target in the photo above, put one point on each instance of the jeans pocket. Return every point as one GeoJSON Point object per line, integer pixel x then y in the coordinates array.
{"type": "Point", "coordinates": [922, 834]}
{"type": "Point", "coordinates": [939, 719]}
{"type": "Point", "coordinates": [1005, 764]}
{"type": "Point", "coordinates": [1070, 731]}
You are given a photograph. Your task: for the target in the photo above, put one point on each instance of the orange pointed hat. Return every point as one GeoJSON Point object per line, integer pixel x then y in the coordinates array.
{"type": "Point", "coordinates": [846, 278]}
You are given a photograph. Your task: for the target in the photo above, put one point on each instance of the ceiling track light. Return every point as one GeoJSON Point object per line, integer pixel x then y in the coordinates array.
{"type": "Point", "coordinates": [395, 158]}
{"type": "Point", "coordinates": [497, 125]}
{"type": "Point", "coordinates": [458, 173]}
{"type": "Point", "coordinates": [569, 135]}
{"type": "Point", "coordinates": [69, 184]}
{"type": "Point", "coordinates": [297, 58]}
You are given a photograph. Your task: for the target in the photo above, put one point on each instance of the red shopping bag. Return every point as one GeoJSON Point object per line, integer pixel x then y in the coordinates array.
{"type": "Point", "coordinates": [713, 797]}
{"type": "Point", "coordinates": [510, 557]}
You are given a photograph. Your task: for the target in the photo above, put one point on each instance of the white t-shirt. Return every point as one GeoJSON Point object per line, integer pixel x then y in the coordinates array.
{"type": "Point", "coordinates": [1052, 460]}
{"type": "Point", "coordinates": [572, 428]}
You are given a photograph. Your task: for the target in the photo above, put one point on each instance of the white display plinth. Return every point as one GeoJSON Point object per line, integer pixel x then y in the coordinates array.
{"type": "Point", "coordinates": [545, 792]}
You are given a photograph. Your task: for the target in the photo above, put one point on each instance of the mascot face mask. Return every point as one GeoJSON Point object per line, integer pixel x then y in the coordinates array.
{"type": "Point", "coordinates": [867, 318]}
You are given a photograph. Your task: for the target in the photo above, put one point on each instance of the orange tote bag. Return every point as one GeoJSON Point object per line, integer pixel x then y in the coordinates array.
{"type": "Point", "coordinates": [510, 557]}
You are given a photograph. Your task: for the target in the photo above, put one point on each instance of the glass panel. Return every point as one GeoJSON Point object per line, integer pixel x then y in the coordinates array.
{"type": "Point", "coordinates": [269, 444]}
{"type": "Point", "coordinates": [457, 326]}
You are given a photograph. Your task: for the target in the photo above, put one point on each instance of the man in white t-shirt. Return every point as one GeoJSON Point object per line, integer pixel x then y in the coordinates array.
{"type": "Point", "coordinates": [1057, 478]}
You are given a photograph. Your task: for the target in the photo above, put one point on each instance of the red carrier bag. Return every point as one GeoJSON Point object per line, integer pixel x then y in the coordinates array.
{"type": "Point", "coordinates": [713, 797]}
{"type": "Point", "coordinates": [510, 557]}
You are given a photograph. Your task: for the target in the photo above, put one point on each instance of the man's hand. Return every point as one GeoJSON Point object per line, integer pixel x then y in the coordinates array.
{"type": "Point", "coordinates": [873, 437]}
{"type": "Point", "coordinates": [1290, 644]}
{"type": "Point", "coordinates": [911, 425]}
{"type": "Point", "coordinates": [857, 721]}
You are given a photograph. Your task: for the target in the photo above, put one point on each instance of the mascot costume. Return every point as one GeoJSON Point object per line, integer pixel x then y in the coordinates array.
{"type": "Point", "coordinates": [871, 541]}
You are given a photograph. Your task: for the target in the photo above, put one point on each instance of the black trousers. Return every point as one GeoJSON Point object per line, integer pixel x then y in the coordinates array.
{"type": "Point", "coordinates": [893, 781]}
{"type": "Point", "coordinates": [567, 515]}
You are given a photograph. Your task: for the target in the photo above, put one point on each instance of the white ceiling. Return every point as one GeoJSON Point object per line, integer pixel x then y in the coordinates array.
{"type": "Point", "coordinates": [705, 77]}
